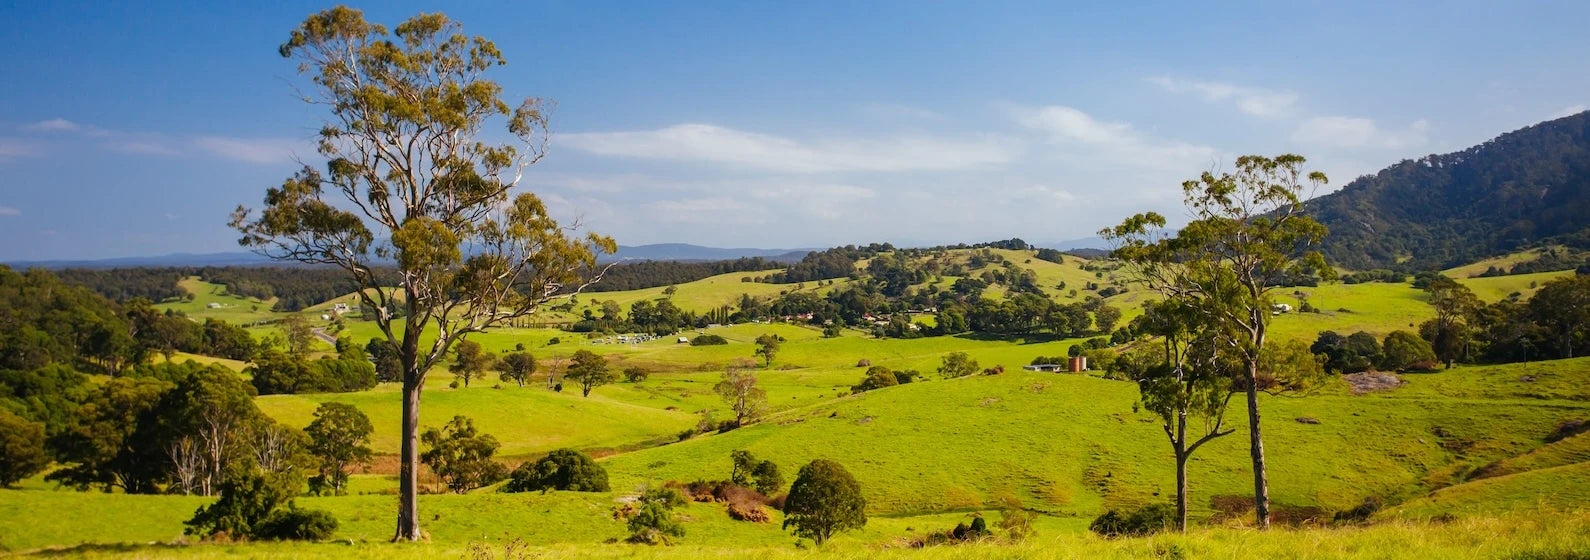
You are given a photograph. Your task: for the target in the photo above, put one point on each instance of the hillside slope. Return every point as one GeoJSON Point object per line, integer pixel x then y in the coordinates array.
{"type": "Point", "coordinates": [1518, 189]}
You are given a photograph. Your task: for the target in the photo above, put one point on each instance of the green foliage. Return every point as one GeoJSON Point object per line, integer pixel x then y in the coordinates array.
{"type": "Point", "coordinates": [21, 449]}
{"type": "Point", "coordinates": [767, 347]}
{"type": "Point", "coordinates": [589, 370]}
{"type": "Point", "coordinates": [957, 364]}
{"type": "Point", "coordinates": [276, 373]}
{"type": "Point", "coordinates": [1404, 350]}
{"type": "Point", "coordinates": [1143, 521]}
{"type": "Point", "coordinates": [763, 476]}
{"type": "Point", "coordinates": [562, 469]}
{"type": "Point", "coordinates": [293, 524]}
{"type": "Point", "coordinates": [246, 501]}
{"type": "Point", "coordinates": [636, 374]}
{"type": "Point", "coordinates": [460, 457]}
{"type": "Point", "coordinates": [1347, 354]}
{"type": "Point", "coordinates": [825, 499]}
{"type": "Point", "coordinates": [385, 356]}
{"type": "Point", "coordinates": [470, 362]}
{"type": "Point", "coordinates": [653, 522]}
{"type": "Point", "coordinates": [877, 377]}
{"type": "Point", "coordinates": [708, 340]}
{"type": "Point", "coordinates": [517, 367]}
{"type": "Point", "coordinates": [339, 438]}
{"type": "Point", "coordinates": [104, 448]}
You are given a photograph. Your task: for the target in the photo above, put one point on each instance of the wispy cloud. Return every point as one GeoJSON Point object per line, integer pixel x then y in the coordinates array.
{"type": "Point", "coordinates": [9, 211]}
{"type": "Point", "coordinates": [63, 125]}
{"type": "Point", "coordinates": [252, 150]}
{"type": "Point", "coordinates": [1259, 102]}
{"type": "Point", "coordinates": [719, 145]}
{"type": "Point", "coordinates": [1115, 142]}
{"type": "Point", "coordinates": [1360, 133]}
{"type": "Point", "coordinates": [144, 147]}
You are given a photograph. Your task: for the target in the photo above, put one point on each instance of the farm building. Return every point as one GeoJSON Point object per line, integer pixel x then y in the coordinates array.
{"type": "Point", "coordinates": [1044, 367]}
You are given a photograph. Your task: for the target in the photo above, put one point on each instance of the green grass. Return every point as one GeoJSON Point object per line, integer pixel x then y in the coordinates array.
{"type": "Point", "coordinates": [577, 526]}
{"type": "Point", "coordinates": [1071, 445]}
{"type": "Point", "coordinates": [1566, 486]}
{"type": "Point", "coordinates": [233, 309]}
{"type": "Point", "coordinates": [527, 421]}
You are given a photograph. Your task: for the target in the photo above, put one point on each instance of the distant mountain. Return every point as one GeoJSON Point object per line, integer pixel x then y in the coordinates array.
{"type": "Point", "coordinates": [1076, 244]}
{"type": "Point", "coordinates": [657, 252]}
{"type": "Point", "coordinates": [1517, 190]}
{"type": "Point", "coordinates": [687, 252]}
{"type": "Point", "coordinates": [240, 258]}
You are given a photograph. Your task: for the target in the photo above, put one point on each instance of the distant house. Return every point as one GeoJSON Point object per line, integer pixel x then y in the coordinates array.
{"type": "Point", "coordinates": [683, 340]}
{"type": "Point", "coordinates": [1280, 308]}
{"type": "Point", "coordinates": [1044, 367]}
{"type": "Point", "coordinates": [212, 305]}
{"type": "Point", "coordinates": [339, 308]}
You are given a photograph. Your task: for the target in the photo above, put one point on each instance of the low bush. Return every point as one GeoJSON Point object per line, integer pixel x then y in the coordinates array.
{"type": "Point", "coordinates": [295, 524]}
{"type": "Point", "coordinates": [1147, 520]}
{"type": "Point", "coordinates": [708, 340]}
{"type": "Point", "coordinates": [563, 469]}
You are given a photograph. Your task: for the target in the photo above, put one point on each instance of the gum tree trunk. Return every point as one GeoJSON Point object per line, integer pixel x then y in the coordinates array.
{"type": "Point", "coordinates": [408, 521]}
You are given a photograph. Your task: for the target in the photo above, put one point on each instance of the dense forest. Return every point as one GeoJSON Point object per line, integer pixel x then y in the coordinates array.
{"type": "Point", "coordinates": [1523, 188]}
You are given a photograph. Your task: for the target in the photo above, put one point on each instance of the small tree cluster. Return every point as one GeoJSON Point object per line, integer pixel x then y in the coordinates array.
{"type": "Point", "coordinates": [461, 457]}
{"type": "Point", "coordinates": [957, 364]}
{"type": "Point", "coordinates": [763, 476]}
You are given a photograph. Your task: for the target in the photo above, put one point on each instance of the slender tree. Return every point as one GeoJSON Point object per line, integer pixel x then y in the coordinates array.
{"type": "Point", "coordinates": [767, 347]}
{"type": "Point", "coordinates": [1184, 381]}
{"type": "Point", "coordinates": [738, 388]}
{"type": "Point", "coordinates": [1248, 234]}
{"type": "Point", "coordinates": [470, 361]}
{"type": "Point", "coordinates": [411, 180]}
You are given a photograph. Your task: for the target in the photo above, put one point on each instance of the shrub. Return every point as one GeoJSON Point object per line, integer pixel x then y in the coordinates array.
{"type": "Point", "coordinates": [708, 340]}
{"type": "Point", "coordinates": [877, 377]}
{"type": "Point", "coordinates": [1402, 349]}
{"type": "Point", "coordinates": [1147, 520]}
{"type": "Point", "coordinates": [246, 502]}
{"type": "Point", "coordinates": [1014, 519]}
{"type": "Point", "coordinates": [563, 469]}
{"type": "Point", "coordinates": [295, 524]}
{"type": "Point", "coordinates": [636, 374]}
{"type": "Point", "coordinates": [653, 521]}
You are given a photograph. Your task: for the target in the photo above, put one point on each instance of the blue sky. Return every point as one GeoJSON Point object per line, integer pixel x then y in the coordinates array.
{"type": "Point", "coordinates": [133, 129]}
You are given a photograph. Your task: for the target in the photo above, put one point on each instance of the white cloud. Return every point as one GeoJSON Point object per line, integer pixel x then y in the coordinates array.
{"type": "Point", "coordinates": [63, 125]}
{"type": "Point", "coordinates": [715, 144]}
{"type": "Point", "coordinates": [1112, 142]}
{"type": "Point", "coordinates": [9, 211]}
{"type": "Point", "coordinates": [1258, 102]}
{"type": "Point", "coordinates": [1567, 112]}
{"type": "Point", "coordinates": [54, 125]}
{"type": "Point", "coordinates": [1360, 133]}
{"type": "Point", "coordinates": [251, 150]}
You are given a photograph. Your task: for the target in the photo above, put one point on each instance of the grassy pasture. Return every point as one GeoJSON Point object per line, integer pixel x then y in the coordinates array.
{"type": "Point", "coordinates": [233, 309]}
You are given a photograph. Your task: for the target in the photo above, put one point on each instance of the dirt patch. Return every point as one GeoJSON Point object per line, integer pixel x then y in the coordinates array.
{"type": "Point", "coordinates": [1372, 381]}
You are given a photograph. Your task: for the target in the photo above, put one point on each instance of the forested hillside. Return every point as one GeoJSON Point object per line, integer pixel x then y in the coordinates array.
{"type": "Point", "coordinates": [1520, 189]}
